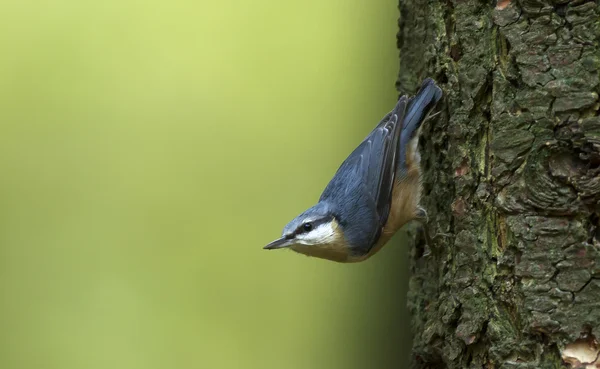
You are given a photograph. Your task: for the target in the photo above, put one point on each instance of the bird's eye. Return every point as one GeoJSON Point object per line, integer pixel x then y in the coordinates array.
{"type": "Point", "coordinates": [307, 227]}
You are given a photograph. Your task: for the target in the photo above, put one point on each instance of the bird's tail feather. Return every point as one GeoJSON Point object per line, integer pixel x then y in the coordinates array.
{"type": "Point", "coordinates": [419, 107]}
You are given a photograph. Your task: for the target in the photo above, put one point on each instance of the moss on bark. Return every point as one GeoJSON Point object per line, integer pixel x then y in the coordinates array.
{"type": "Point", "coordinates": [512, 173]}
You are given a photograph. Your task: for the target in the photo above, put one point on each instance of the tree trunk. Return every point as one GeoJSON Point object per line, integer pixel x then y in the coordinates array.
{"type": "Point", "coordinates": [512, 175]}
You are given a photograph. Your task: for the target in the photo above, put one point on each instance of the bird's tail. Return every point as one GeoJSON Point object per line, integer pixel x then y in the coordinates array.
{"type": "Point", "coordinates": [419, 107]}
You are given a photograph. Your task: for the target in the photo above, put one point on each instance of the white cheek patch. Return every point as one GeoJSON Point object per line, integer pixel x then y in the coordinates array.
{"type": "Point", "coordinates": [320, 235]}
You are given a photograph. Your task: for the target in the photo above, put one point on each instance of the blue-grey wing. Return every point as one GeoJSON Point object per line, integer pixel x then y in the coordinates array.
{"type": "Point", "coordinates": [362, 186]}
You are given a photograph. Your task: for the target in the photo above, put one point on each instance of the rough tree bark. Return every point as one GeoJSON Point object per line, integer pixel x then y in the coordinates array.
{"type": "Point", "coordinates": [512, 173]}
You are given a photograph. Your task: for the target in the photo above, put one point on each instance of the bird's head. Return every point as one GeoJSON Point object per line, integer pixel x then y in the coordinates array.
{"type": "Point", "coordinates": [315, 228]}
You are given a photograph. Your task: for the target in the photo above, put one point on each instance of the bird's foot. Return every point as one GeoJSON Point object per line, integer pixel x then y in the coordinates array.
{"type": "Point", "coordinates": [422, 217]}
{"type": "Point", "coordinates": [431, 116]}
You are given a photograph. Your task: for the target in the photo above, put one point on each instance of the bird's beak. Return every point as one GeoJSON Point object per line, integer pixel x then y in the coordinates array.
{"type": "Point", "coordinates": [279, 243]}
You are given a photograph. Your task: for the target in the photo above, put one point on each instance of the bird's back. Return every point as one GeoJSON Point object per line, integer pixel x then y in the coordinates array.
{"type": "Point", "coordinates": [370, 210]}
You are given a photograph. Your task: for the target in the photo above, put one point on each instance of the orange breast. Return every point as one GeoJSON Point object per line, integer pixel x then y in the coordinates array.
{"type": "Point", "coordinates": [337, 253]}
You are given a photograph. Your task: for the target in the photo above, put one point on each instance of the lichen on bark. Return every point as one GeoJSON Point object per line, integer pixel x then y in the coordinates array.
{"type": "Point", "coordinates": [512, 173]}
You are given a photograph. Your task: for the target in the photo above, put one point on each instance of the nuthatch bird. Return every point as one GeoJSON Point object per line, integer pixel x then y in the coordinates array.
{"type": "Point", "coordinates": [374, 192]}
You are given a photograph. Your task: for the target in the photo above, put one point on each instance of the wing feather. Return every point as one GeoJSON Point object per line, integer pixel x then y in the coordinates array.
{"type": "Point", "coordinates": [370, 168]}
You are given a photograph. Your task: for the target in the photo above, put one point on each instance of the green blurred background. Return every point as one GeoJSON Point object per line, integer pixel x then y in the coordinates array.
{"type": "Point", "coordinates": [149, 149]}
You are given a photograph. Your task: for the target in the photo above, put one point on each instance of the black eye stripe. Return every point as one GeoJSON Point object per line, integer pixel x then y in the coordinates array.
{"type": "Point", "coordinates": [313, 225]}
